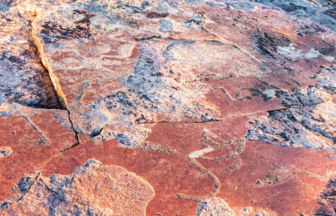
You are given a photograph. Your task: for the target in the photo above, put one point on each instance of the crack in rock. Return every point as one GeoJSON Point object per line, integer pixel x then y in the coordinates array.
{"type": "Point", "coordinates": [23, 186]}
{"type": "Point", "coordinates": [24, 80]}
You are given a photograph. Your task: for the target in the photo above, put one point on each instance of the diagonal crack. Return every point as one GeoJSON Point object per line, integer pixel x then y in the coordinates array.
{"type": "Point", "coordinates": [74, 130]}
{"type": "Point", "coordinates": [61, 97]}
{"type": "Point", "coordinates": [45, 63]}
{"type": "Point", "coordinates": [44, 140]}
{"type": "Point", "coordinates": [58, 99]}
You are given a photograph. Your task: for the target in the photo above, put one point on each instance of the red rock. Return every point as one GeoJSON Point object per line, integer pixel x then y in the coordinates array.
{"type": "Point", "coordinates": [170, 174]}
{"type": "Point", "coordinates": [30, 138]}
{"type": "Point", "coordinates": [208, 107]}
{"type": "Point", "coordinates": [93, 188]}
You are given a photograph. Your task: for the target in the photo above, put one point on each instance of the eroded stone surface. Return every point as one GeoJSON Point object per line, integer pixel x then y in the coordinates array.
{"type": "Point", "coordinates": [173, 174]}
{"type": "Point", "coordinates": [215, 206]}
{"type": "Point", "coordinates": [308, 120]}
{"type": "Point", "coordinates": [118, 80]}
{"type": "Point", "coordinates": [29, 138]}
{"type": "Point", "coordinates": [24, 80]}
{"type": "Point", "coordinates": [205, 100]}
{"type": "Point", "coordinates": [245, 211]}
{"type": "Point", "coordinates": [327, 198]}
{"type": "Point", "coordinates": [261, 213]}
{"type": "Point", "coordinates": [138, 68]}
{"type": "Point", "coordinates": [93, 189]}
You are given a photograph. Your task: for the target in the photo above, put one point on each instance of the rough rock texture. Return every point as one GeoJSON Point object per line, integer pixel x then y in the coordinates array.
{"type": "Point", "coordinates": [24, 80]}
{"type": "Point", "coordinates": [261, 213]}
{"type": "Point", "coordinates": [192, 107]}
{"type": "Point", "coordinates": [214, 206]}
{"type": "Point", "coordinates": [93, 189]}
{"type": "Point", "coordinates": [245, 211]}
{"type": "Point", "coordinates": [29, 139]}
{"type": "Point", "coordinates": [308, 120]}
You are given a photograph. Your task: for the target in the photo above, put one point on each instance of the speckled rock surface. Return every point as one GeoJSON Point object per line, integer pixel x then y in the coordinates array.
{"type": "Point", "coordinates": [29, 139]}
{"type": "Point", "coordinates": [24, 80]}
{"type": "Point", "coordinates": [93, 189]}
{"type": "Point", "coordinates": [214, 206]}
{"type": "Point", "coordinates": [205, 107]}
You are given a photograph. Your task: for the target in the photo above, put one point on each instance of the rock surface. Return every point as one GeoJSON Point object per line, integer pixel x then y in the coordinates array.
{"type": "Point", "coordinates": [93, 189]}
{"type": "Point", "coordinates": [188, 107]}
{"type": "Point", "coordinates": [24, 80]}
{"type": "Point", "coordinates": [214, 206]}
{"type": "Point", "coordinates": [28, 142]}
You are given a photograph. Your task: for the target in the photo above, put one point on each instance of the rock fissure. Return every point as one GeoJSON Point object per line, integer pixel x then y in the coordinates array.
{"type": "Point", "coordinates": [61, 97]}
{"type": "Point", "coordinates": [224, 41]}
{"type": "Point", "coordinates": [53, 77]}
{"type": "Point", "coordinates": [314, 2]}
{"type": "Point", "coordinates": [74, 130]}
{"type": "Point", "coordinates": [58, 100]}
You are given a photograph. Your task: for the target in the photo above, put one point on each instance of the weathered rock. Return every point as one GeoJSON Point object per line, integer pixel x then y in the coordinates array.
{"type": "Point", "coordinates": [245, 211]}
{"type": "Point", "coordinates": [214, 206]}
{"type": "Point", "coordinates": [261, 213]}
{"type": "Point", "coordinates": [29, 139]}
{"type": "Point", "coordinates": [24, 80]}
{"type": "Point", "coordinates": [5, 151]}
{"type": "Point", "coordinates": [174, 174]}
{"type": "Point", "coordinates": [200, 101]}
{"type": "Point", "coordinates": [93, 189]}
{"type": "Point", "coordinates": [327, 198]}
{"type": "Point", "coordinates": [279, 176]}
{"type": "Point", "coordinates": [139, 70]}
{"type": "Point", "coordinates": [117, 79]}
{"type": "Point", "coordinates": [308, 121]}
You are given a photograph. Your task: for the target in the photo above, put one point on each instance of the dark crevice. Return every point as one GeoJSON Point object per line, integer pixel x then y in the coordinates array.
{"type": "Point", "coordinates": [60, 100]}
{"type": "Point", "coordinates": [32, 86]}
{"type": "Point", "coordinates": [273, 86]}
{"type": "Point", "coordinates": [73, 128]}
{"type": "Point", "coordinates": [58, 97]}
{"type": "Point", "coordinates": [95, 134]}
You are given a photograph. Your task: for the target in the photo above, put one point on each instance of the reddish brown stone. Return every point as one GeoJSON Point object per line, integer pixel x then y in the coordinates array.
{"type": "Point", "coordinates": [93, 188]}
{"type": "Point", "coordinates": [34, 138]}
{"type": "Point", "coordinates": [216, 107]}
{"type": "Point", "coordinates": [170, 174]}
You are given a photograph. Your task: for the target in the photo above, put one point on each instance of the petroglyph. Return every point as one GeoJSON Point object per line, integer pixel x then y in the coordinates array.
{"type": "Point", "coordinates": [214, 143]}
{"type": "Point", "coordinates": [135, 84]}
